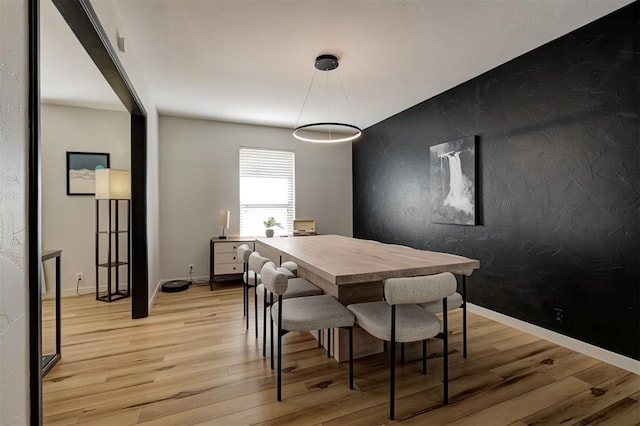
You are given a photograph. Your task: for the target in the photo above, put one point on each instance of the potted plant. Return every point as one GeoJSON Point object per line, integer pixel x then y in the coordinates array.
{"type": "Point", "coordinates": [270, 224]}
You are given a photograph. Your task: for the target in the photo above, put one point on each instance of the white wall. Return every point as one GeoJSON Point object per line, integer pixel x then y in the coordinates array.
{"type": "Point", "coordinates": [14, 350]}
{"type": "Point", "coordinates": [68, 221]}
{"type": "Point", "coordinates": [199, 175]}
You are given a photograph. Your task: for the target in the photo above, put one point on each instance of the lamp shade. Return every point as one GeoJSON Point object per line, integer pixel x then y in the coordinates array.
{"type": "Point", "coordinates": [112, 184]}
{"type": "Point", "coordinates": [224, 218]}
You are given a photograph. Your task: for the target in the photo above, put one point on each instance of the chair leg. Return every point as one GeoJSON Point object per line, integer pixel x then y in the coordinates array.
{"type": "Point", "coordinates": [424, 356]}
{"type": "Point", "coordinates": [319, 338]}
{"type": "Point", "coordinates": [279, 378]}
{"type": "Point", "coordinates": [271, 326]}
{"type": "Point", "coordinates": [392, 367]}
{"type": "Point", "coordinates": [264, 324]}
{"type": "Point", "coordinates": [402, 353]}
{"type": "Point", "coordinates": [350, 357]}
{"type": "Point", "coordinates": [445, 352]}
{"type": "Point", "coordinates": [246, 290]}
{"type": "Point", "coordinates": [255, 303]}
{"type": "Point", "coordinates": [464, 316]}
{"type": "Point", "coordinates": [244, 297]}
{"type": "Point", "coordinates": [328, 343]}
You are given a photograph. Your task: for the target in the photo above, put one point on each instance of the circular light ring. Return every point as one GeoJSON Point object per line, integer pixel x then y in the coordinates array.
{"type": "Point", "coordinates": [351, 127]}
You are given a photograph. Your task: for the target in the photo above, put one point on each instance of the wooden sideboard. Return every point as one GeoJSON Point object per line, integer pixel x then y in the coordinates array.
{"type": "Point", "coordinates": [223, 258]}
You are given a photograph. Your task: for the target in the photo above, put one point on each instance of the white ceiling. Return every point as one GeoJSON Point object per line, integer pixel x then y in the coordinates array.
{"type": "Point", "coordinates": [67, 75]}
{"type": "Point", "coordinates": [251, 61]}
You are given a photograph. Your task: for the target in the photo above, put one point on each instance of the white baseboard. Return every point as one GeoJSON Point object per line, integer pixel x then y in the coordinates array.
{"type": "Point", "coordinates": [91, 290]}
{"type": "Point", "coordinates": [157, 289]}
{"type": "Point", "coordinates": [604, 355]}
{"type": "Point", "coordinates": [152, 300]}
{"type": "Point", "coordinates": [84, 290]}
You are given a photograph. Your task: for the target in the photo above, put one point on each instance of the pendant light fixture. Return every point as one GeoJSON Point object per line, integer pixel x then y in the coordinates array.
{"type": "Point", "coordinates": [326, 131]}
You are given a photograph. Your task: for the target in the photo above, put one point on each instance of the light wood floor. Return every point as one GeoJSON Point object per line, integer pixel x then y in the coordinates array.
{"type": "Point", "coordinates": [192, 362]}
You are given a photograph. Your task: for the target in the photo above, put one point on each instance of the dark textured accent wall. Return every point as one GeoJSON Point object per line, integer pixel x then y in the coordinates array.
{"type": "Point", "coordinates": [558, 182]}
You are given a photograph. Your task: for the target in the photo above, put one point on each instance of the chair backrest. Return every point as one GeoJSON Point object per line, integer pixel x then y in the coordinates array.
{"type": "Point", "coordinates": [275, 281]}
{"type": "Point", "coordinates": [256, 262]}
{"type": "Point", "coordinates": [419, 289]}
{"type": "Point", "coordinates": [244, 252]}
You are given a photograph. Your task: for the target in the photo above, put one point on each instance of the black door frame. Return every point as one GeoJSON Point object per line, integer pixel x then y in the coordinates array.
{"type": "Point", "coordinates": [83, 21]}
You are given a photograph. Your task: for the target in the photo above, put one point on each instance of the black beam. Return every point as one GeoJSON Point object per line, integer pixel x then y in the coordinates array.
{"type": "Point", "coordinates": [139, 244]}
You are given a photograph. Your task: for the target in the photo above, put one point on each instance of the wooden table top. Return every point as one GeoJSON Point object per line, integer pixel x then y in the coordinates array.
{"type": "Point", "coordinates": [344, 260]}
{"type": "Point", "coordinates": [50, 254]}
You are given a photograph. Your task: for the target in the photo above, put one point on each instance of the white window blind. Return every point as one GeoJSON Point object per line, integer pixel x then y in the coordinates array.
{"type": "Point", "coordinates": [267, 189]}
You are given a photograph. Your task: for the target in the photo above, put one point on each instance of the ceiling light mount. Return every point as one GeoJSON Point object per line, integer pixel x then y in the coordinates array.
{"type": "Point", "coordinates": [327, 63]}
{"type": "Point", "coordinates": [326, 131]}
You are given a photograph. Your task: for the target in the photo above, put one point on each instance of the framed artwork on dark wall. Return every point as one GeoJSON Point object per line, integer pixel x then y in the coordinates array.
{"type": "Point", "coordinates": [453, 181]}
{"type": "Point", "coordinates": [81, 171]}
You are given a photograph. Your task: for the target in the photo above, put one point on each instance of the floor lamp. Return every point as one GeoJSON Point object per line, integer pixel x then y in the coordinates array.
{"type": "Point", "coordinates": [114, 186]}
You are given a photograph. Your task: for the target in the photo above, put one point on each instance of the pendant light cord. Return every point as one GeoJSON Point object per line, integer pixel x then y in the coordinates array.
{"type": "Point", "coordinates": [328, 103]}
{"type": "Point", "coordinates": [344, 92]}
{"type": "Point", "coordinates": [306, 97]}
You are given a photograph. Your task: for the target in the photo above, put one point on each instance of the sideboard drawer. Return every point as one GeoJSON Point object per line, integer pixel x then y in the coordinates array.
{"type": "Point", "coordinates": [227, 268]}
{"type": "Point", "coordinates": [228, 247]}
{"type": "Point", "coordinates": [227, 258]}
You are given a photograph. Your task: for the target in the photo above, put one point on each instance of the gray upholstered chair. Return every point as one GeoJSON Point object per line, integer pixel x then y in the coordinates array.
{"type": "Point", "coordinates": [253, 279]}
{"type": "Point", "coordinates": [455, 301]}
{"type": "Point", "coordinates": [400, 319]}
{"type": "Point", "coordinates": [243, 252]}
{"type": "Point", "coordinates": [253, 263]}
{"type": "Point", "coordinates": [291, 266]}
{"type": "Point", "coordinates": [304, 314]}
{"type": "Point", "coordinates": [298, 287]}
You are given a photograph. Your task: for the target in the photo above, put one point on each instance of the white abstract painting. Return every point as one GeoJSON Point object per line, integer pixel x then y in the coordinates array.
{"type": "Point", "coordinates": [453, 175]}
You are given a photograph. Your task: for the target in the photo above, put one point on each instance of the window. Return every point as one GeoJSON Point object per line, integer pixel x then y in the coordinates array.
{"type": "Point", "coordinates": [267, 189]}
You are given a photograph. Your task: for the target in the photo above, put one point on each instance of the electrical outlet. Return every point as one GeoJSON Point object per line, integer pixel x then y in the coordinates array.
{"type": "Point", "coordinates": [190, 267]}
{"type": "Point", "coordinates": [79, 276]}
{"type": "Point", "coordinates": [558, 315]}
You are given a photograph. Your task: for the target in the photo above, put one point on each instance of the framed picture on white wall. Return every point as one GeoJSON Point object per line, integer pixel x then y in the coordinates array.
{"type": "Point", "coordinates": [81, 171]}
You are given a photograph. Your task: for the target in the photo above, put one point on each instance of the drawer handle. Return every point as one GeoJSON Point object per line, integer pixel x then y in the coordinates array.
{"type": "Point", "coordinates": [234, 258]}
{"type": "Point", "coordinates": [234, 268]}
{"type": "Point", "coordinates": [234, 247]}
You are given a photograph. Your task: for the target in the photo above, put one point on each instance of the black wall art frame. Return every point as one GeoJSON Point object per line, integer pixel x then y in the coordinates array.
{"type": "Point", "coordinates": [453, 181]}
{"type": "Point", "coordinates": [81, 171]}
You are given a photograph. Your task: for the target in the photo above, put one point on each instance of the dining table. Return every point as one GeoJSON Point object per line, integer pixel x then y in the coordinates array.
{"type": "Point", "coordinates": [353, 270]}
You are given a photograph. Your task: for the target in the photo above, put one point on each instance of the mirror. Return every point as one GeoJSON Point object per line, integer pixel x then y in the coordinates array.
{"type": "Point", "coordinates": [74, 96]}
